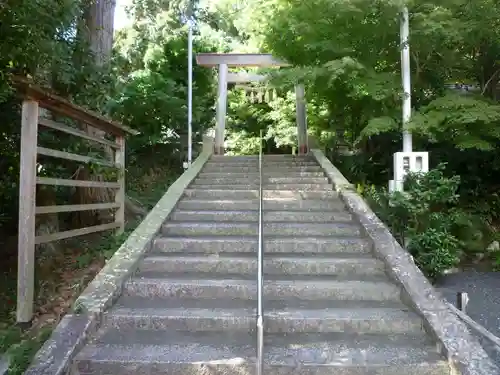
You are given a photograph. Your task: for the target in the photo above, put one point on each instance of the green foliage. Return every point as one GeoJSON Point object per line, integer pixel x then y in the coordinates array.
{"type": "Point", "coordinates": [21, 354]}
{"type": "Point", "coordinates": [467, 122]}
{"type": "Point", "coordinates": [426, 219]}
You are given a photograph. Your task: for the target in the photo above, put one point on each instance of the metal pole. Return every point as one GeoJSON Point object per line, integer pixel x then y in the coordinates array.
{"type": "Point", "coordinates": [190, 91]}
{"type": "Point", "coordinates": [462, 301]}
{"type": "Point", "coordinates": [260, 276]}
{"type": "Point", "coordinates": [406, 77]}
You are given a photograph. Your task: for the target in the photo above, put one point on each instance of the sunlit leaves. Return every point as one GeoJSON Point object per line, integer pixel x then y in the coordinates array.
{"type": "Point", "coordinates": [468, 121]}
{"type": "Point", "coordinates": [379, 125]}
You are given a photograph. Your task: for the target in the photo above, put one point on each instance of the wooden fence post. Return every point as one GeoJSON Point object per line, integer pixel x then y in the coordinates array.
{"type": "Point", "coordinates": [27, 198]}
{"type": "Point", "coordinates": [120, 193]}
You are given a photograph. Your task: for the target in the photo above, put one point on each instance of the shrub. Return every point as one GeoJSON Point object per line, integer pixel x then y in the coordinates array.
{"type": "Point", "coordinates": [426, 219]}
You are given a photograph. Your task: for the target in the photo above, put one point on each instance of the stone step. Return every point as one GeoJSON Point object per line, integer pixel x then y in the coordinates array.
{"type": "Point", "coordinates": [274, 264]}
{"type": "Point", "coordinates": [187, 228]}
{"type": "Point", "coordinates": [297, 180]}
{"type": "Point", "coordinates": [283, 169]}
{"type": "Point", "coordinates": [298, 186]}
{"type": "Point", "coordinates": [238, 175]}
{"type": "Point", "coordinates": [248, 244]}
{"type": "Point", "coordinates": [253, 215]}
{"type": "Point", "coordinates": [352, 354]}
{"type": "Point", "coordinates": [306, 205]}
{"type": "Point", "coordinates": [307, 288]}
{"type": "Point", "coordinates": [158, 352]}
{"type": "Point", "coordinates": [265, 161]}
{"type": "Point", "coordinates": [182, 314]}
{"type": "Point", "coordinates": [239, 315]}
{"type": "Point", "coordinates": [246, 183]}
{"type": "Point", "coordinates": [254, 193]}
{"type": "Point", "coordinates": [210, 228]}
{"type": "Point", "coordinates": [255, 180]}
{"type": "Point", "coordinates": [266, 186]}
{"type": "Point", "coordinates": [265, 165]}
{"type": "Point", "coordinates": [278, 157]}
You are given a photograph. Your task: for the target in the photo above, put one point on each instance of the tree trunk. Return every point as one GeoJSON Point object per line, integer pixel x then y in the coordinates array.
{"type": "Point", "coordinates": [100, 28]}
{"type": "Point", "coordinates": [99, 23]}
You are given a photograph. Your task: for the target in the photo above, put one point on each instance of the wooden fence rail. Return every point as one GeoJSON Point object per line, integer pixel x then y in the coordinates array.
{"type": "Point", "coordinates": [34, 98]}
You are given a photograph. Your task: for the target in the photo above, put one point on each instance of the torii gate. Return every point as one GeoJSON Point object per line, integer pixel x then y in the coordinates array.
{"type": "Point", "coordinates": [226, 60]}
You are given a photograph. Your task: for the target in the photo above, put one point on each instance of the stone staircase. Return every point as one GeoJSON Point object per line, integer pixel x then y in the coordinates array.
{"type": "Point", "coordinates": [329, 307]}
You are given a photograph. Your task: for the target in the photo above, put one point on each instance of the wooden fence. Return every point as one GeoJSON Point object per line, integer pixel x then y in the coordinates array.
{"type": "Point", "coordinates": [34, 98]}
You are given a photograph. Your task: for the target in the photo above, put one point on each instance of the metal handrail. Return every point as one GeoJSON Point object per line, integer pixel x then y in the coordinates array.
{"type": "Point", "coordinates": [260, 276]}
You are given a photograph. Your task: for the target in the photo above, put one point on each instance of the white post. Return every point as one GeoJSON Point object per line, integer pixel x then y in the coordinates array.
{"type": "Point", "coordinates": [221, 110]}
{"type": "Point", "coordinates": [190, 92]}
{"type": "Point", "coordinates": [406, 77]}
{"type": "Point", "coordinates": [301, 118]}
{"type": "Point", "coordinates": [406, 161]}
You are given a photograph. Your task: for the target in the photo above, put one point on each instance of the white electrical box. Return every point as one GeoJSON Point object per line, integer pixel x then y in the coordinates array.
{"type": "Point", "coordinates": [405, 162]}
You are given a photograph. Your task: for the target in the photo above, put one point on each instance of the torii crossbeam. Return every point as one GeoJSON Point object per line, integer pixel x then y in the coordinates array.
{"type": "Point", "coordinates": [226, 60]}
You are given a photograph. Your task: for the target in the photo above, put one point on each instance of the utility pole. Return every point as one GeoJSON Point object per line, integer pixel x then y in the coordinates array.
{"type": "Point", "coordinates": [407, 160]}
{"type": "Point", "coordinates": [190, 83]}
{"type": "Point", "coordinates": [406, 77]}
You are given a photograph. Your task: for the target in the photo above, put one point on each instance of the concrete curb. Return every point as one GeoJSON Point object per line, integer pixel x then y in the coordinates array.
{"type": "Point", "coordinates": [107, 285]}
{"type": "Point", "coordinates": [463, 350]}
{"type": "Point", "coordinates": [54, 358]}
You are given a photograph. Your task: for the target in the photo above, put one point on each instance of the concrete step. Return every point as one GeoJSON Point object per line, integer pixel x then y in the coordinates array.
{"type": "Point", "coordinates": [343, 320]}
{"type": "Point", "coordinates": [369, 288]}
{"type": "Point", "coordinates": [240, 315]}
{"type": "Point", "coordinates": [222, 194]}
{"type": "Point", "coordinates": [159, 352]}
{"type": "Point", "coordinates": [253, 215]}
{"type": "Point", "coordinates": [264, 161]}
{"type": "Point", "coordinates": [306, 205]}
{"type": "Point", "coordinates": [210, 228]}
{"type": "Point", "coordinates": [182, 315]}
{"type": "Point", "coordinates": [298, 186]}
{"type": "Point", "coordinates": [352, 354]}
{"type": "Point", "coordinates": [255, 180]}
{"type": "Point", "coordinates": [249, 183]}
{"type": "Point", "coordinates": [237, 175]}
{"type": "Point", "coordinates": [274, 264]}
{"type": "Point", "coordinates": [217, 204]}
{"type": "Point", "coordinates": [278, 157]}
{"type": "Point", "coordinates": [311, 229]}
{"type": "Point", "coordinates": [187, 228]}
{"type": "Point", "coordinates": [266, 186]}
{"type": "Point", "coordinates": [283, 169]}
{"type": "Point", "coordinates": [297, 180]}
{"type": "Point", "coordinates": [265, 164]}
{"type": "Point", "coordinates": [248, 244]}
{"type": "Point", "coordinates": [228, 188]}
{"type": "Point", "coordinates": [254, 193]}
{"type": "Point", "coordinates": [307, 288]}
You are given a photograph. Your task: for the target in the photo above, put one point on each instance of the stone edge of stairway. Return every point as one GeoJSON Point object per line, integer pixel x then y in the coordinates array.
{"type": "Point", "coordinates": [462, 349]}
{"type": "Point", "coordinates": [55, 356]}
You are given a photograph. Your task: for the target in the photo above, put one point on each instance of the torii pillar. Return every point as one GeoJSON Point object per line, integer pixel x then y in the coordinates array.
{"type": "Point", "coordinates": [301, 113]}
{"type": "Point", "coordinates": [221, 110]}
